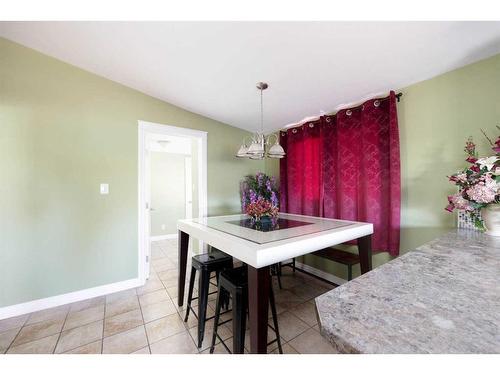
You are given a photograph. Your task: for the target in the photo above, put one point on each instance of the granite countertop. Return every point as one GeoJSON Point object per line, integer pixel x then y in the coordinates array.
{"type": "Point", "coordinates": [443, 297]}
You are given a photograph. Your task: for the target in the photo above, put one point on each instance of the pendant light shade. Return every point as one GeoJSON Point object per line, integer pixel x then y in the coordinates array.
{"type": "Point", "coordinates": [257, 149]}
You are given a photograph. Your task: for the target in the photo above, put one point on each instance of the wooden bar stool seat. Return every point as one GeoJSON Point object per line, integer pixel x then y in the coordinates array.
{"type": "Point", "coordinates": [339, 256]}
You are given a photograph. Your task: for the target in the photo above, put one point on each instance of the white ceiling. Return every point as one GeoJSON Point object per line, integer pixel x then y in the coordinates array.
{"type": "Point", "coordinates": [211, 68]}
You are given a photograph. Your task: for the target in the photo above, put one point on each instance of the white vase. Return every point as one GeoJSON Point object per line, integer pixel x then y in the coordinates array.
{"type": "Point", "coordinates": [491, 219]}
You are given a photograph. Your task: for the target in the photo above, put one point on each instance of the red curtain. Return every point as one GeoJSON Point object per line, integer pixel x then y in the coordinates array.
{"type": "Point", "coordinates": [347, 166]}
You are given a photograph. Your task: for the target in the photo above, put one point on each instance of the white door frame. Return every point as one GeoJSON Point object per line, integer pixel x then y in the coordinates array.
{"type": "Point", "coordinates": [146, 128]}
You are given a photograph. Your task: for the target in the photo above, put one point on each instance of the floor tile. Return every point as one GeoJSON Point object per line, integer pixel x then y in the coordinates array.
{"type": "Point", "coordinates": [306, 312]}
{"type": "Point", "coordinates": [222, 331]}
{"type": "Point", "coordinates": [121, 295]}
{"type": "Point", "coordinates": [150, 286]}
{"type": "Point", "coordinates": [82, 317]}
{"type": "Point", "coordinates": [7, 337]}
{"type": "Point", "coordinates": [290, 326]}
{"type": "Point", "coordinates": [88, 303]}
{"type": "Point", "coordinates": [38, 330]}
{"type": "Point", "coordinates": [14, 322]}
{"type": "Point", "coordinates": [164, 327]}
{"type": "Point", "coordinates": [122, 305]}
{"type": "Point", "coordinates": [125, 342]}
{"type": "Point", "coordinates": [144, 350]}
{"type": "Point", "coordinates": [122, 322]}
{"type": "Point", "coordinates": [311, 342]}
{"type": "Point", "coordinates": [92, 348]}
{"type": "Point", "coordinates": [45, 345]}
{"type": "Point", "coordinates": [158, 310]}
{"type": "Point", "coordinates": [76, 337]}
{"type": "Point", "coordinates": [287, 349]}
{"type": "Point", "coordinates": [153, 297]}
{"type": "Point", "coordinates": [180, 343]}
{"type": "Point", "coordinates": [55, 313]}
{"type": "Point", "coordinates": [309, 290]}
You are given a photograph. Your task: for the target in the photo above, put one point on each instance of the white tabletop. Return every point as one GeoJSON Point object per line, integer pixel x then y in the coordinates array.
{"type": "Point", "coordinates": [260, 249]}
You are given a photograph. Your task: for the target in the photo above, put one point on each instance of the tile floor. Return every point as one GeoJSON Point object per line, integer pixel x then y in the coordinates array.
{"type": "Point", "coordinates": [147, 319]}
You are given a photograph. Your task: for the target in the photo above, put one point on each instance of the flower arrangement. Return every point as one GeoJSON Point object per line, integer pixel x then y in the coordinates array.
{"type": "Point", "coordinates": [478, 184]}
{"type": "Point", "coordinates": [259, 196]}
{"type": "Point", "coordinates": [261, 208]}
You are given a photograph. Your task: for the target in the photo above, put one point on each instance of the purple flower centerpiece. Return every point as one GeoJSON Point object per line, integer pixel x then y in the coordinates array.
{"type": "Point", "coordinates": [260, 199]}
{"type": "Point", "coordinates": [479, 188]}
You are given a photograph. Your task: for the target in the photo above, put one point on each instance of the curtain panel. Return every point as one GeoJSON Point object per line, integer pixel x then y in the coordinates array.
{"type": "Point", "coordinates": [347, 166]}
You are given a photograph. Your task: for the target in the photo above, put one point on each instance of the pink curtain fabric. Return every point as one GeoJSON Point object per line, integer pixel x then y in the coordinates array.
{"type": "Point", "coordinates": [347, 166]}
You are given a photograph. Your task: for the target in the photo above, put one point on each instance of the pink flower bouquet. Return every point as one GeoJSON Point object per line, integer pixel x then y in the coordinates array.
{"type": "Point", "coordinates": [478, 184]}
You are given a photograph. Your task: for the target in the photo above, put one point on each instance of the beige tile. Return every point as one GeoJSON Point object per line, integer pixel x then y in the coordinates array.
{"type": "Point", "coordinates": [311, 342]}
{"type": "Point", "coordinates": [223, 332]}
{"type": "Point", "coordinates": [305, 312]}
{"type": "Point", "coordinates": [125, 342]}
{"type": "Point", "coordinates": [37, 331]}
{"type": "Point", "coordinates": [122, 322]}
{"type": "Point", "coordinates": [76, 337]}
{"type": "Point", "coordinates": [169, 278]}
{"type": "Point", "coordinates": [45, 345]}
{"type": "Point", "coordinates": [177, 344]}
{"type": "Point", "coordinates": [121, 295]}
{"type": "Point", "coordinates": [153, 297]}
{"type": "Point", "coordinates": [55, 313]}
{"type": "Point", "coordinates": [309, 290]}
{"type": "Point", "coordinates": [7, 337]}
{"type": "Point", "coordinates": [150, 286]}
{"type": "Point", "coordinates": [14, 322]}
{"type": "Point", "coordinates": [286, 300]}
{"type": "Point", "coordinates": [164, 327]}
{"type": "Point", "coordinates": [290, 326]}
{"type": "Point", "coordinates": [122, 305]}
{"type": "Point", "coordinates": [158, 310]}
{"type": "Point", "coordinates": [192, 321]}
{"type": "Point", "coordinates": [92, 348]}
{"type": "Point", "coordinates": [80, 318]}
{"type": "Point", "coordinates": [164, 264]}
{"type": "Point", "coordinates": [144, 350]}
{"type": "Point", "coordinates": [88, 303]}
{"type": "Point", "coordinates": [287, 349]}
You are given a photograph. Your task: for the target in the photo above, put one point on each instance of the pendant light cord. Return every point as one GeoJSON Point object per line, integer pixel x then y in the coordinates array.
{"type": "Point", "coordinates": [261, 112]}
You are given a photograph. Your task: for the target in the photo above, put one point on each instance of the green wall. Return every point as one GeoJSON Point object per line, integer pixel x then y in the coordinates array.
{"type": "Point", "coordinates": [435, 118]}
{"type": "Point", "coordinates": [63, 131]}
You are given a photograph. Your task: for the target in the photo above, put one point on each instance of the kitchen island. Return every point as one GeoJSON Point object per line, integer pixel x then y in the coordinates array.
{"type": "Point", "coordinates": [443, 297]}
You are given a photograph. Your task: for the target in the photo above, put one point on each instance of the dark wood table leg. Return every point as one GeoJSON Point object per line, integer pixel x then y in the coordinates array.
{"type": "Point", "coordinates": [183, 252]}
{"type": "Point", "coordinates": [365, 253]}
{"type": "Point", "coordinates": [258, 305]}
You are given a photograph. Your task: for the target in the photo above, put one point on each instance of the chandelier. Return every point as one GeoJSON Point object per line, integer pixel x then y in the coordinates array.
{"type": "Point", "coordinates": [261, 146]}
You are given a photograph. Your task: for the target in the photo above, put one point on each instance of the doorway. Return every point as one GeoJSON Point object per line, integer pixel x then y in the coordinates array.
{"type": "Point", "coordinates": [172, 184]}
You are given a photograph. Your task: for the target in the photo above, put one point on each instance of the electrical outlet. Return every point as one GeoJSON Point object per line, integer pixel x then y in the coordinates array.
{"type": "Point", "coordinates": [104, 189]}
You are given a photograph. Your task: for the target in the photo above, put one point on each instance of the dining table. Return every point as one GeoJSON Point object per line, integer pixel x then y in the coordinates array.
{"type": "Point", "coordinates": [262, 244]}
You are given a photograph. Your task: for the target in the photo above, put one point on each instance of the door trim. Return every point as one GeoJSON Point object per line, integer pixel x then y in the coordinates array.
{"type": "Point", "coordinates": [145, 128]}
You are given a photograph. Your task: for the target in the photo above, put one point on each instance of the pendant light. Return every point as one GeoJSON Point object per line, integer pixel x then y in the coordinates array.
{"type": "Point", "coordinates": [257, 148]}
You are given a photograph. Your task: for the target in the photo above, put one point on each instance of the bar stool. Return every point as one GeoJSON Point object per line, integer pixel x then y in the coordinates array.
{"type": "Point", "coordinates": [235, 282]}
{"type": "Point", "coordinates": [214, 261]}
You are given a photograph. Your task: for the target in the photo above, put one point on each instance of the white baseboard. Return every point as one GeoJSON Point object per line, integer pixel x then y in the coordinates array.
{"type": "Point", "coordinates": [63, 299]}
{"type": "Point", "coordinates": [321, 274]}
{"type": "Point", "coordinates": [163, 237]}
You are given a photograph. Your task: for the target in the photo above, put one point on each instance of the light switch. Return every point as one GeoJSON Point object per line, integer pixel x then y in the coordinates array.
{"type": "Point", "coordinates": [104, 189]}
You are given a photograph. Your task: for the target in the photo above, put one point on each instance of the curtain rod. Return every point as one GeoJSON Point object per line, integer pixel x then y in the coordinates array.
{"type": "Point", "coordinates": [352, 106]}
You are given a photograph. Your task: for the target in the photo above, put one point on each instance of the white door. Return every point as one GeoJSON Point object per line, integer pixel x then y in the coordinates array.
{"type": "Point", "coordinates": [188, 180]}
{"type": "Point", "coordinates": [147, 215]}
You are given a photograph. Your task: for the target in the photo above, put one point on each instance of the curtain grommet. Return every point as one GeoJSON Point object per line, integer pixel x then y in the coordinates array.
{"type": "Point", "coordinates": [294, 131]}
{"type": "Point", "coordinates": [311, 125]}
{"type": "Point", "coordinates": [348, 112]}
{"type": "Point", "coordinates": [376, 103]}
{"type": "Point", "coordinates": [328, 119]}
